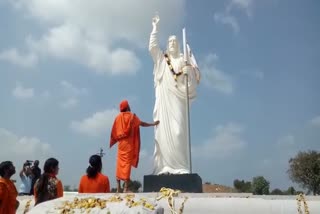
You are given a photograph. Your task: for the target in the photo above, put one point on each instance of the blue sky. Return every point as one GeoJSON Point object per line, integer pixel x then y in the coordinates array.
{"type": "Point", "coordinates": [65, 67]}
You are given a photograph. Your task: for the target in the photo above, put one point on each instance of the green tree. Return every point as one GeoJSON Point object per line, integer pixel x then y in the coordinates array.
{"type": "Point", "coordinates": [134, 186]}
{"type": "Point", "coordinates": [242, 186]}
{"type": "Point", "coordinates": [67, 188]}
{"type": "Point", "coordinates": [260, 186]}
{"type": "Point", "coordinates": [291, 191]}
{"type": "Point", "coordinates": [113, 189]}
{"type": "Point", "coordinates": [304, 169]}
{"type": "Point", "coordinates": [276, 192]}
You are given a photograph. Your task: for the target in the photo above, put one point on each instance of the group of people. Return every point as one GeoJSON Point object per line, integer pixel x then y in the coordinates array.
{"type": "Point", "coordinates": [29, 174]}
{"type": "Point", "coordinates": [47, 186]}
{"type": "Point", "coordinates": [171, 136]}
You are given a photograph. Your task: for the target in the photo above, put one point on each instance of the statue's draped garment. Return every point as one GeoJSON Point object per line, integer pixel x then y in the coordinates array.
{"type": "Point", "coordinates": [171, 154]}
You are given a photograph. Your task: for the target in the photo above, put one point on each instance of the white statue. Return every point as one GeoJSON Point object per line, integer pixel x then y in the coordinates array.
{"type": "Point", "coordinates": [171, 153]}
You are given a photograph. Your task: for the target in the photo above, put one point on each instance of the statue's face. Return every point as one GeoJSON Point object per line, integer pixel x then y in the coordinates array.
{"type": "Point", "coordinates": [173, 45]}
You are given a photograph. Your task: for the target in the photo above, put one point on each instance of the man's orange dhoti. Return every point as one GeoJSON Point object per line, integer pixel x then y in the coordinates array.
{"type": "Point", "coordinates": [126, 131]}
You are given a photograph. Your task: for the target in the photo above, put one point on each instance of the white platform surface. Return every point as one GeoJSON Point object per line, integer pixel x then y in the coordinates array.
{"type": "Point", "coordinates": [223, 203]}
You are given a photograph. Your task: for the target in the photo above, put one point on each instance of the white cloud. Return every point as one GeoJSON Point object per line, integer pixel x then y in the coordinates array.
{"type": "Point", "coordinates": [124, 61]}
{"type": "Point", "coordinates": [71, 93]}
{"type": "Point", "coordinates": [19, 149]}
{"type": "Point", "coordinates": [22, 93]}
{"type": "Point", "coordinates": [315, 121]}
{"type": "Point", "coordinates": [96, 125]}
{"type": "Point", "coordinates": [103, 35]}
{"type": "Point", "coordinates": [72, 90]}
{"type": "Point", "coordinates": [24, 60]}
{"type": "Point", "coordinates": [245, 5]}
{"type": "Point", "coordinates": [225, 141]}
{"type": "Point", "coordinates": [286, 141]}
{"type": "Point", "coordinates": [69, 103]}
{"type": "Point", "coordinates": [214, 77]}
{"type": "Point", "coordinates": [227, 19]}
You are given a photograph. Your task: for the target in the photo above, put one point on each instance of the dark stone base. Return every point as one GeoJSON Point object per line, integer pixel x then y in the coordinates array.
{"type": "Point", "coordinates": [182, 182]}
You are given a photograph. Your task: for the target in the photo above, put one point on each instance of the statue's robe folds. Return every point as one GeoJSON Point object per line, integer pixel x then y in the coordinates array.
{"type": "Point", "coordinates": [171, 154]}
{"type": "Point", "coordinates": [126, 131]}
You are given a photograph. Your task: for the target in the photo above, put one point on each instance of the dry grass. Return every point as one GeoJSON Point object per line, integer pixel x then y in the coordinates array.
{"type": "Point", "coordinates": [216, 188]}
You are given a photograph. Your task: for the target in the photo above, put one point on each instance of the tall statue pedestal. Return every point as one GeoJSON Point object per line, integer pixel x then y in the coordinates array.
{"type": "Point", "coordinates": [182, 182]}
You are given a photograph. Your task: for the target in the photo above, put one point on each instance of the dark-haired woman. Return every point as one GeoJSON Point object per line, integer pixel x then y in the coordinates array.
{"type": "Point", "coordinates": [8, 192]}
{"type": "Point", "coordinates": [94, 181]}
{"type": "Point", "coordinates": [48, 186]}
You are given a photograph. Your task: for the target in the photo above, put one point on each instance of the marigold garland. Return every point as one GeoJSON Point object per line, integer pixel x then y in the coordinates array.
{"type": "Point", "coordinates": [301, 198]}
{"type": "Point", "coordinates": [175, 75]}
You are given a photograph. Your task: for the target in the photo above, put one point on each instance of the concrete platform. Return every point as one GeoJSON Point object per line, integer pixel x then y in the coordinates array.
{"type": "Point", "coordinates": [217, 203]}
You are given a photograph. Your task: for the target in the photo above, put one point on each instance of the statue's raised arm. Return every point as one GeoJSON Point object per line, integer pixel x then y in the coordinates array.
{"type": "Point", "coordinates": [154, 48]}
{"type": "Point", "coordinates": [155, 21]}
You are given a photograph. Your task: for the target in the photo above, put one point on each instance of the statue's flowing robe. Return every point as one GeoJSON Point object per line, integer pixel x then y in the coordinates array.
{"type": "Point", "coordinates": [171, 154]}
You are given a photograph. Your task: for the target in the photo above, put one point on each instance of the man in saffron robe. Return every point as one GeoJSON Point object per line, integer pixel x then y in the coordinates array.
{"type": "Point", "coordinates": [126, 131]}
{"type": "Point", "coordinates": [8, 192]}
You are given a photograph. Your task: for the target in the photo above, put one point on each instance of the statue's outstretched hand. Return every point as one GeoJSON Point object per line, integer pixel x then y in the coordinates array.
{"type": "Point", "coordinates": [155, 21]}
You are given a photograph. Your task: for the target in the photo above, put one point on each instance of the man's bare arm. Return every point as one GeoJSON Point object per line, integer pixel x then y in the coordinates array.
{"type": "Point", "coordinates": [154, 48]}
{"type": "Point", "coordinates": [21, 172]}
{"type": "Point", "coordinates": [145, 124]}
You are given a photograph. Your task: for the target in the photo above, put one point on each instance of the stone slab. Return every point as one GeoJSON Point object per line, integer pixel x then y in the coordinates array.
{"type": "Point", "coordinates": [184, 182]}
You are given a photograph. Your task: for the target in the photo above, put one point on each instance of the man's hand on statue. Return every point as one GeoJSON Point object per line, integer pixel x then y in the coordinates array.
{"type": "Point", "coordinates": [157, 122]}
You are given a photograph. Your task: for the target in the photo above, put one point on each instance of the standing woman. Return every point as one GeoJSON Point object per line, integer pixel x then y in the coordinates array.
{"type": "Point", "coordinates": [94, 181]}
{"type": "Point", "coordinates": [48, 186]}
{"type": "Point", "coordinates": [8, 192]}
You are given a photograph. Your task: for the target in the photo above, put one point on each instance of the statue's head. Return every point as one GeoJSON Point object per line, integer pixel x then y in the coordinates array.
{"type": "Point", "coordinates": [173, 48]}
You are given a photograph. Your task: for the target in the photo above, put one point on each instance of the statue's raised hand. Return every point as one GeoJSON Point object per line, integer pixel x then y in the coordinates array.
{"type": "Point", "coordinates": [155, 21]}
